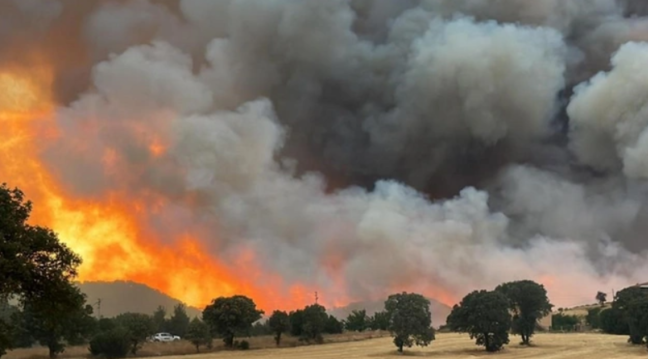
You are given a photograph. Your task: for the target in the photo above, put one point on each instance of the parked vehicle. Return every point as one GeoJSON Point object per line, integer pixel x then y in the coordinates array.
{"type": "Point", "coordinates": [164, 337]}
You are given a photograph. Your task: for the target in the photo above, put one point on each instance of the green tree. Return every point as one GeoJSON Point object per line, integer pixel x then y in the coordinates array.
{"type": "Point", "coordinates": [529, 303]}
{"type": "Point", "coordinates": [6, 342]}
{"type": "Point", "coordinates": [198, 334]}
{"type": "Point", "coordinates": [228, 315]}
{"type": "Point", "coordinates": [179, 322]}
{"type": "Point", "coordinates": [110, 344]}
{"type": "Point", "coordinates": [410, 320]}
{"type": "Point", "coordinates": [333, 325]}
{"type": "Point", "coordinates": [622, 301]}
{"type": "Point", "coordinates": [613, 322]}
{"type": "Point", "coordinates": [314, 323]}
{"type": "Point", "coordinates": [21, 336]}
{"type": "Point", "coordinates": [379, 321]}
{"type": "Point", "coordinates": [31, 257]}
{"type": "Point", "coordinates": [637, 311]}
{"type": "Point", "coordinates": [139, 326]}
{"type": "Point", "coordinates": [159, 320]}
{"type": "Point", "coordinates": [279, 323]}
{"type": "Point", "coordinates": [564, 322]}
{"type": "Point", "coordinates": [601, 298]}
{"type": "Point", "coordinates": [33, 261]}
{"type": "Point", "coordinates": [296, 322]}
{"type": "Point", "coordinates": [7, 333]}
{"type": "Point", "coordinates": [485, 316]}
{"type": "Point", "coordinates": [86, 326]}
{"type": "Point", "coordinates": [54, 322]}
{"type": "Point", "coordinates": [593, 318]}
{"type": "Point", "coordinates": [357, 321]}
{"type": "Point", "coordinates": [106, 324]}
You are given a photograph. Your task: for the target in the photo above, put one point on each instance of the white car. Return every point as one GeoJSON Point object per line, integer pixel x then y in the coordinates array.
{"type": "Point", "coordinates": [164, 337]}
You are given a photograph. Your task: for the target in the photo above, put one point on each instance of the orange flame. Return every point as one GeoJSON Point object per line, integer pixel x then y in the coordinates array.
{"type": "Point", "coordinates": [106, 233]}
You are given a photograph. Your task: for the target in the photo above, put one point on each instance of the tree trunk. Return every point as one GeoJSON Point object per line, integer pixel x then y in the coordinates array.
{"type": "Point", "coordinates": [229, 340]}
{"type": "Point", "coordinates": [487, 342]}
{"type": "Point", "coordinates": [278, 338]}
{"type": "Point", "coordinates": [197, 348]}
{"type": "Point", "coordinates": [54, 348]}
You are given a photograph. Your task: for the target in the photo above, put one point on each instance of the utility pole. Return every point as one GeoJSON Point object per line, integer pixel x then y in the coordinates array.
{"type": "Point", "coordinates": [316, 297]}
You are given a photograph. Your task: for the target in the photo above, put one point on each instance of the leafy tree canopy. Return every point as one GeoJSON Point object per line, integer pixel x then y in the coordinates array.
{"type": "Point", "coordinates": [564, 322]}
{"type": "Point", "coordinates": [357, 321]}
{"type": "Point", "coordinates": [529, 303]}
{"type": "Point", "coordinates": [179, 322]}
{"type": "Point", "coordinates": [613, 322]}
{"type": "Point", "coordinates": [296, 322]}
{"type": "Point", "coordinates": [601, 298]}
{"type": "Point", "coordinates": [333, 325]}
{"type": "Point", "coordinates": [485, 316]}
{"type": "Point", "coordinates": [594, 318]}
{"type": "Point", "coordinates": [279, 323]}
{"type": "Point", "coordinates": [198, 333]}
{"type": "Point", "coordinates": [159, 319]}
{"type": "Point", "coordinates": [637, 316]}
{"type": "Point", "coordinates": [110, 344]}
{"type": "Point", "coordinates": [34, 264]}
{"type": "Point", "coordinates": [52, 322]}
{"type": "Point", "coordinates": [228, 315]}
{"type": "Point", "coordinates": [622, 301]}
{"type": "Point", "coordinates": [410, 319]}
{"type": "Point", "coordinates": [32, 258]}
{"type": "Point", "coordinates": [314, 323]}
{"type": "Point", "coordinates": [139, 326]}
{"type": "Point", "coordinates": [379, 321]}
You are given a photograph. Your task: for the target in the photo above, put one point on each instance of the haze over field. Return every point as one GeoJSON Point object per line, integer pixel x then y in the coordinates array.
{"type": "Point", "coordinates": [354, 148]}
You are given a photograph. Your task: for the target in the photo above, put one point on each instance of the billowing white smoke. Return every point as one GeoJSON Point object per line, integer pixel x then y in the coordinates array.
{"type": "Point", "coordinates": [232, 89]}
{"type": "Point", "coordinates": [610, 115]}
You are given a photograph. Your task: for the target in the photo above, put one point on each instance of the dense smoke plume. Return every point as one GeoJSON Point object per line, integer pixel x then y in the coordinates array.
{"type": "Point", "coordinates": [362, 147]}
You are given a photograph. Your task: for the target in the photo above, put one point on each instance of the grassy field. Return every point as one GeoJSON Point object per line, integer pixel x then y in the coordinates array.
{"type": "Point", "coordinates": [184, 348]}
{"type": "Point", "coordinates": [454, 346]}
{"type": "Point", "coordinates": [447, 346]}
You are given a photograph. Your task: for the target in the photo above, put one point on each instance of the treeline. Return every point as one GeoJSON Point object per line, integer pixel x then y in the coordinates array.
{"type": "Point", "coordinates": [39, 305]}
{"type": "Point", "coordinates": [49, 310]}
{"type": "Point", "coordinates": [628, 315]}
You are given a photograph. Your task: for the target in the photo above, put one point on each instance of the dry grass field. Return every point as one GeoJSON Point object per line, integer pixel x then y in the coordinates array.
{"type": "Point", "coordinates": [447, 346]}
{"type": "Point", "coordinates": [454, 346]}
{"type": "Point", "coordinates": [184, 348]}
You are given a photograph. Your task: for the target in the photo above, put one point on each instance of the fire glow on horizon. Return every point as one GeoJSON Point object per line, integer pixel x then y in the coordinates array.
{"type": "Point", "coordinates": [106, 232]}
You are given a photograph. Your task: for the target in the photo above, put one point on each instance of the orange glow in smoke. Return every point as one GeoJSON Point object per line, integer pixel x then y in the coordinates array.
{"type": "Point", "coordinates": [105, 232]}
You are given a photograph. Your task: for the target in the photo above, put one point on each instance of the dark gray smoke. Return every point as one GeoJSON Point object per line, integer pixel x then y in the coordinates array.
{"type": "Point", "coordinates": [430, 145]}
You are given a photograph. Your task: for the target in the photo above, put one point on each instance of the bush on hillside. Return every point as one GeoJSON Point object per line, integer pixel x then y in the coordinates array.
{"type": "Point", "coordinates": [564, 322]}
{"type": "Point", "coordinates": [594, 318]}
{"type": "Point", "coordinates": [114, 343]}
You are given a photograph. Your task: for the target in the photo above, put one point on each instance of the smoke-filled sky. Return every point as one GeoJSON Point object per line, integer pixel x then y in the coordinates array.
{"type": "Point", "coordinates": [352, 147]}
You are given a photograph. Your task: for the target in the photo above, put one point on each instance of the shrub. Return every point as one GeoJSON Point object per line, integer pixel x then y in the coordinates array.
{"type": "Point", "coordinates": [114, 343]}
{"type": "Point", "coordinates": [594, 317]}
{"type": "Point", "coordinates": [244, 345]}
{"type": "Point", "coordinates": [564, 322]}
{"type": "Point", "coordinates": [613, 322]}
